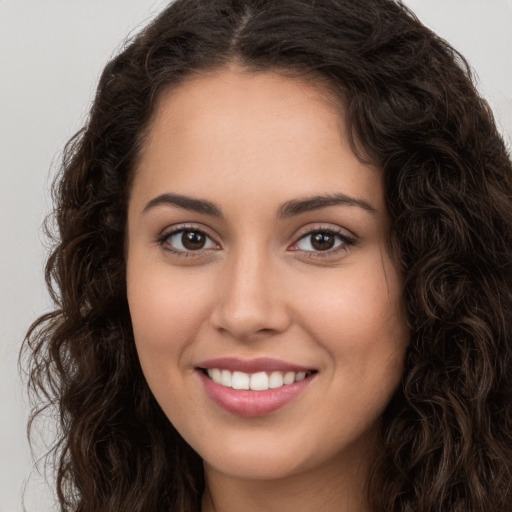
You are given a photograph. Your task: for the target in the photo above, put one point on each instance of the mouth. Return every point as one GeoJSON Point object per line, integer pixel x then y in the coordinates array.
{"type": "Point", "coordinates": [253, 387]}
{"type": "Point", "coordinates": [258, 381]}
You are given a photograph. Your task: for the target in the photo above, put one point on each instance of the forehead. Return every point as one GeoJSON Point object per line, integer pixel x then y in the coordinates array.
{"type": "Point", "coordinates": [214, 130]}
{"type": "Point", "coordinates": [211, 104]}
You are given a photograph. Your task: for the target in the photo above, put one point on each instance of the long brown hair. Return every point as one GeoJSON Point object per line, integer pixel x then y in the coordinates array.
{"type": "Point", "coordinates": [411, 108]}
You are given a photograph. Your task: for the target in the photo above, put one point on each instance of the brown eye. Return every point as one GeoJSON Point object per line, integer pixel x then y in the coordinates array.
{"type": "Point", "coordinates": [193, 240]}
{"type": "Point", "coordinates": [322, 241]}
{"type": "Point", "coordinates": [187, 240]}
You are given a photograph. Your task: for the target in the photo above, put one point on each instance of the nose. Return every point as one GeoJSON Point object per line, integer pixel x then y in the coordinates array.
{"type": "Point", "coordinates": [251, 299]}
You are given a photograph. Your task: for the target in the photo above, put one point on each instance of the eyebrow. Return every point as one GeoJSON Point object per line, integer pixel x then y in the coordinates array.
{"type": "Point", "coordinates": [288, 209]}
{"type": "Point", "coordinates": [185, 202]}
{"type": "Point", "coordinates": [308, 204]}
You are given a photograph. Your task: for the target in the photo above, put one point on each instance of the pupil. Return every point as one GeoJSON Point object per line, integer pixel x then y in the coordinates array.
{"type": "Point", "coordinates": [322, 241]}
{"type": "Point", "coordinates": [193, 240]}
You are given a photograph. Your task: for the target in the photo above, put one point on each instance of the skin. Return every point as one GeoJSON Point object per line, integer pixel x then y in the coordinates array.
{"type": "Point", "coordinates": [250, 143]}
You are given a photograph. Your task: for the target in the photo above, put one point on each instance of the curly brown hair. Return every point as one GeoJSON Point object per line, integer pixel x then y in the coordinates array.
{"type": "Point", "coordinates": [412, 109]}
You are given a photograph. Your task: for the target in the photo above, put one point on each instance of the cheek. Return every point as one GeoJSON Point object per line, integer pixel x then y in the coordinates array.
{"type": "Point", "coordinates": [166, 313]}
{"type": "Point", "coordinates": [355, 309]}
{"type": "Point", "coordinates": [165, 326]}
{"type": "Point", "coordinates": [357, 320]}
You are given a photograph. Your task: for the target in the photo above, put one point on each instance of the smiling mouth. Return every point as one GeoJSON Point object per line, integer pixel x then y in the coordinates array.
{"type": "Point", "coordinates": [259, 381]}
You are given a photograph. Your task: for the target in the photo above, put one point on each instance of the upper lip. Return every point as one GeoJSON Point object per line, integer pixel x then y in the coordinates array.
{"type": "Point", "coordinates": [260, 364]}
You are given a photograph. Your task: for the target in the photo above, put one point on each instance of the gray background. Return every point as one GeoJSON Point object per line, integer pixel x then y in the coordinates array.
{"type": "Point", "coordinates": [51, 55]}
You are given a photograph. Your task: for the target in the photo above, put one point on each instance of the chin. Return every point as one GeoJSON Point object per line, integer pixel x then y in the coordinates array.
{"type": "Point", "coordinates": [256, 466]}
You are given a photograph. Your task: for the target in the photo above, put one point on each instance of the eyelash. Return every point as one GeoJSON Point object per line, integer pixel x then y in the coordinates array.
{"type": "Point", "coordinates": [346, 242]}
{"type": "Point", "coordinates": [163, 241]}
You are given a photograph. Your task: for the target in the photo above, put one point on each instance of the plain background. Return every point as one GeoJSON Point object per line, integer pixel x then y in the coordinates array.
{"type": "Point", "coordinates": [51, 55]}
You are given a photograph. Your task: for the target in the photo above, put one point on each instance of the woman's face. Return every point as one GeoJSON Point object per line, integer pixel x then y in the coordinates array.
{"type": "Point", "coordinates": [257, 253]}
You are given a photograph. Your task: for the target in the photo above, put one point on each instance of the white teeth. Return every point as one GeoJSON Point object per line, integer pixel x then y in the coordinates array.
{"type": "Point", "coordinates": [226, 378]}
{"type": "Point", "coordinates": [240, 380]}
{"type": "Point", "coordinates": [289, 378]}
{"type": "Point", "coordinates": [276, 380]}
{"type": "Point", "coordinates": [259, 381]}
{"type": "Point", "coordinates": [214, 374]}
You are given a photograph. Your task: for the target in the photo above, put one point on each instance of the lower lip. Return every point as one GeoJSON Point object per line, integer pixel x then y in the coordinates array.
{"type": "Point", "coordinates": [252, 403]}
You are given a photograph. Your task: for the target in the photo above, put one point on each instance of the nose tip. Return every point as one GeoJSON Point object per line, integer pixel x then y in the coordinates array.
{"type": "Point", "coordinates": [251, 303]}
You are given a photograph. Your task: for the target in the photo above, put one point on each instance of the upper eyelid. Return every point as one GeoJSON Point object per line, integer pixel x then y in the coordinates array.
{"type": "Point", "coordinates": [333, 231]}
{"type": "Point", "coordinates": [176, 228]}
{"type": "Point", "coordinates": [339, 230]}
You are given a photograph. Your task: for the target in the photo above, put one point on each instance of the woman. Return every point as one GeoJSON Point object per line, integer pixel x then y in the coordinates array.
{"type": "Point", "coordinates": [283, 276]}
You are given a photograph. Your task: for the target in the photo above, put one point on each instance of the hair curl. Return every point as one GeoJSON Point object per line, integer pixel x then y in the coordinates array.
{"type": "Point", "coordinates": [412, 108]}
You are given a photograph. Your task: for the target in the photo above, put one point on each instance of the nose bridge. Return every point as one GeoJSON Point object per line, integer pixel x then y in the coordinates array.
{"type": "Point", "coordinates": [250, 300]}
